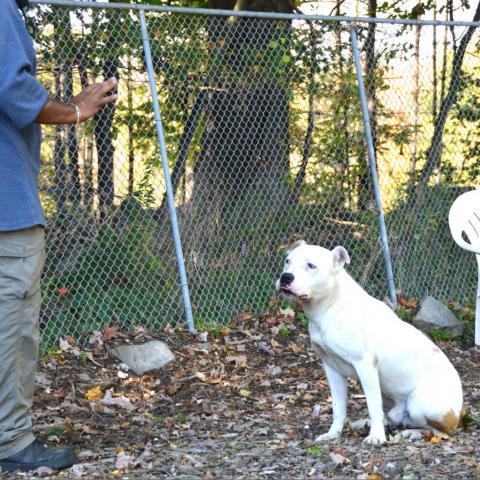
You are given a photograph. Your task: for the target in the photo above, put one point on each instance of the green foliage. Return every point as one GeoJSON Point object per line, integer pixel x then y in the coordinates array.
{"type": "Point", "coordinates": [284, 331]}
{"type": "Point", "coordinates": [234, 289]}
{"type": "Point", "coordinates": [314, 451]}
{"type": "Point", "coordinates": [213, 328]}
{"type": "Point", "coordinates": [114, 279]}
{"type": "Point", "coordinates": [438, 334]}
{"type": "Point", "coordinates": [58, 429]}
{"type": "Point", "coordinates": [302, 319]}
{"type": "Point", "coordinates": [466, 314]}
{"type": "Point", "coordinates": [404, 314]}
{"type": "Point", "coordinates": [470, 419]}
{"type": "Point", "coordinates": [180, 417]}
{"type": "Point", "coordinates": [158, 420]}
{"type": "Point", "coordinates": [83, 358]}
{"type": "Point", "coordinates": [423, 252]}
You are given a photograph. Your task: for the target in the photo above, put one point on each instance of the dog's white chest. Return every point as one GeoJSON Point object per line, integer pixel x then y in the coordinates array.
{"type": "Point", "coordinates": [330, 351]}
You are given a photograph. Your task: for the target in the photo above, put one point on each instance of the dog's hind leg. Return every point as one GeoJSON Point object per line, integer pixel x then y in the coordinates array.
{"type": "Point", "coordinates": [398, 413]}
{"type": "Point", "coordinates": [434, 414]}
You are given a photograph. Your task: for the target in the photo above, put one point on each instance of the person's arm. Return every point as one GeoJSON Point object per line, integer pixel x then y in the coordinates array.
{"type": "Point", "coordinates": [23, 100]}
{"type": "Point", "coordinates": [88, 102]}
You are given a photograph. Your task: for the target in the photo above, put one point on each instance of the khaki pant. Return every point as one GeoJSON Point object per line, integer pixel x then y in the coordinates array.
{"type": "Point", "coordinates": [22, 256]}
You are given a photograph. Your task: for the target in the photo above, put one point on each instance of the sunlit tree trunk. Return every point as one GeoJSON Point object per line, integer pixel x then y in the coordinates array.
{"type": "Point", "coordinates": [435, 149]}
{"type": "Point", "coordinates": [245, 146]}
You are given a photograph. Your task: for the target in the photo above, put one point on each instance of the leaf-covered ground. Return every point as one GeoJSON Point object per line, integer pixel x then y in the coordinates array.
{"type": "Point", "coordinates": [239, 402]}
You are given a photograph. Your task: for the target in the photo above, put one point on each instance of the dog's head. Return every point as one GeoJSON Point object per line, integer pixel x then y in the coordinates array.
{"type": "Point", "coordinates": [310, 271]}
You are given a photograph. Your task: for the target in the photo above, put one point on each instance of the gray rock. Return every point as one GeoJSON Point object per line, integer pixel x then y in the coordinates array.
{"type": "Point", "coordinates": [390, 467]}
{"type": "Point", "coordinates": [145, 357]}
{"type": "Point", "coordinates": [84, 378]}
{"type": "Point", "coordinates": [433, 314]}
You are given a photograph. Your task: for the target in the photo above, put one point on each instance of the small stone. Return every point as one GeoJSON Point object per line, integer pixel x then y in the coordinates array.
{"type": "Point", "coordinates": [390, 467]}
{"type": "Point", "coordinates": [84, 377]}
{"type": "Point", "coordinates": [276, 371]}
{"type": "Point", "coordinates": [319, 467]}
{"type": "Point", "coordinates": [145, 357]}
{"type": "Point", "coordinates": [42, 379]}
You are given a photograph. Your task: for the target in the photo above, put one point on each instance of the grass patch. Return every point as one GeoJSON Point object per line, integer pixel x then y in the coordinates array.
{"type": "Point", "coordinates": [442, 335]}
{"type": "Point", "coordinates": [404, 314]}
{"type": "Point", "coordinates": [315, 451]}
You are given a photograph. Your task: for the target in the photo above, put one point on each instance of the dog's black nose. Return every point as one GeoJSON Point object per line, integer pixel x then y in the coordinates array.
{"type": "Point", "coordinates": [286, 279]}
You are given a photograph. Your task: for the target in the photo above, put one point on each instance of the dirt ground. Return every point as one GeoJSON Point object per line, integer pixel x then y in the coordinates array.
{"type": "Point", "coordinates": [242, 402]}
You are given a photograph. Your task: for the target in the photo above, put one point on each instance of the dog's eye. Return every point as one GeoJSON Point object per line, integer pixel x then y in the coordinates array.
{"type": "Point", "coordinates": [311, 266]}
{"type": "Point", "coordinates": [287, 261]}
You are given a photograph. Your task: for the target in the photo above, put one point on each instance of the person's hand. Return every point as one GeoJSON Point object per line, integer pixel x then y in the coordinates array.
{"type": "Point", "coordinates": [94, 97]}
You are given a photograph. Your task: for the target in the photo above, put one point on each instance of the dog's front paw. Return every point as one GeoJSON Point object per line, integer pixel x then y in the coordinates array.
{"type": "Point", "coordinates": [325, 437]}
{"type": "Point", "coordinates": [375, 439]}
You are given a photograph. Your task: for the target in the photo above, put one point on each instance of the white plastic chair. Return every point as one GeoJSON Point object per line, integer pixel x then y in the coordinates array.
{"type": "Point", "coordinates": [464, 221]}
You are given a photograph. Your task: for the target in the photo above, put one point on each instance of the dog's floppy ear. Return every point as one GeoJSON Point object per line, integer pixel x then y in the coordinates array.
{"type": "Point", "coordinates": [340, 258]}
{"type": "Point", "coordinates": [295, 244]}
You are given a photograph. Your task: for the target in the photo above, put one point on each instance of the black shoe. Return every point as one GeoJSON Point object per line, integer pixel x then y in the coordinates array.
{"type": "Point", "coordinates": [39, 455]}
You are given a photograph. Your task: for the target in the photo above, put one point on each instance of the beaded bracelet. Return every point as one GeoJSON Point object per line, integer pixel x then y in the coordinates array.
{"type": "Point", "coordinates": [77, 111]}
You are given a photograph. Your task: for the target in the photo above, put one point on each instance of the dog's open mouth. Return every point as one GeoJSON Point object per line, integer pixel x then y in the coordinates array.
{"type": "Point", "coordinates": [289, 293]}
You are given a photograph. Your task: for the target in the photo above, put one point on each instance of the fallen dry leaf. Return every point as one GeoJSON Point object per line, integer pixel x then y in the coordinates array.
{"type": "Point", "coordinates": [124, 460]}
{"type": "Point", "coordinates": [200, 376]}
{"type": "Point", "coordinates": [337, 458]}
{"type": "Point", "coordinates": [264, 347]}
{"type": "Point", "coordinates": [409, 304]}
{"type": "Point", "coordinates": [271, 320]}
{"type": "Point", "coordinates": [120, 401]}
{"type": "Point", "coordinates": [239, 360]}
{"type": "Point", "coordinates": [287, 312]}
{"type": "Point", "coordinates": [243, 317]}
{"type": "Point", "coordinates": [94, 394]}
{"type": "Point", "coordinates": [110, 332]}
{"type": "Point", "coordinates": [295, 348]}
{"type": "Point", "coordinates": [89, 431]}
{"type": "Point", "coordinates": [173, 388]}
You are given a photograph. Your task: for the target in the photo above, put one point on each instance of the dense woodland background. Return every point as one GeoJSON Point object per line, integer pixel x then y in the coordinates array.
{"type": "Point", "coordinates": [266, 145]}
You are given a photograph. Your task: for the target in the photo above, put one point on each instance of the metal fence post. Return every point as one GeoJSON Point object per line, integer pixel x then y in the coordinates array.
{"type": "Point", "coordinates": [373, 166]}
{"type": "Point", "coordinates": [166, 173]}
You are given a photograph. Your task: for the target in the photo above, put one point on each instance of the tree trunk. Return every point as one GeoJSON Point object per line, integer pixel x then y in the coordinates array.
{"type": "Point", "coordinates": [434, 66]}
{"type": "Point", "coordinates": [245, 146]}
{"type": "Point", "coordinates": [365, 190]}
{"type": "Point", "coordinates": [189, 129]}
{"type": "Point", "coordinates": [61, 186]}
{"type": "Point", "coordinates": [435, 149]}
{"type": "Point", "coordinates": [61, 179]}
{"type": "Point", "coordinates": [307, 144]}
{"type": "Point", "coordinates": [416, 103]}
{"type": "Point", "coordinates": [105, 149]}
{"type": "Point", "coordinates": [66, 50]}
{"type": "Point", "coordinates": [131, 147]}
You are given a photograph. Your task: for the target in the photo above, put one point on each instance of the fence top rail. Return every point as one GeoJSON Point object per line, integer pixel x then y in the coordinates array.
{"type": "Point", "coordinates": [265, 15]}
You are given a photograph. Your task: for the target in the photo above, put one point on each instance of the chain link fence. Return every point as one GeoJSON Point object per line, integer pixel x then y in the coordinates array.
{"type": "Point", "coordinates": [266, 144]}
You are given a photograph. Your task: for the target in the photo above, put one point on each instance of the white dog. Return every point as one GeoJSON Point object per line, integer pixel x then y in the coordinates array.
{"type": "Point", "coordinates": [360, 337]}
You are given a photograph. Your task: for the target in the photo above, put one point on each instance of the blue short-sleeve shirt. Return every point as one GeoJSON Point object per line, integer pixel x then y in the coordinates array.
{"type": "Point", "coordinates": [22, 98]}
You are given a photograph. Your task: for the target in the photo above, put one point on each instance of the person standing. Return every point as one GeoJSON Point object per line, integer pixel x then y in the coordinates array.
{"type": "Point", "coordinates": [24, 105]}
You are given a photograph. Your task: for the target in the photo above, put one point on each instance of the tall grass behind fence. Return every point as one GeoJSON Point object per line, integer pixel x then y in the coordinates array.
{"type": "Point", "coordinates": [265, 144]}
